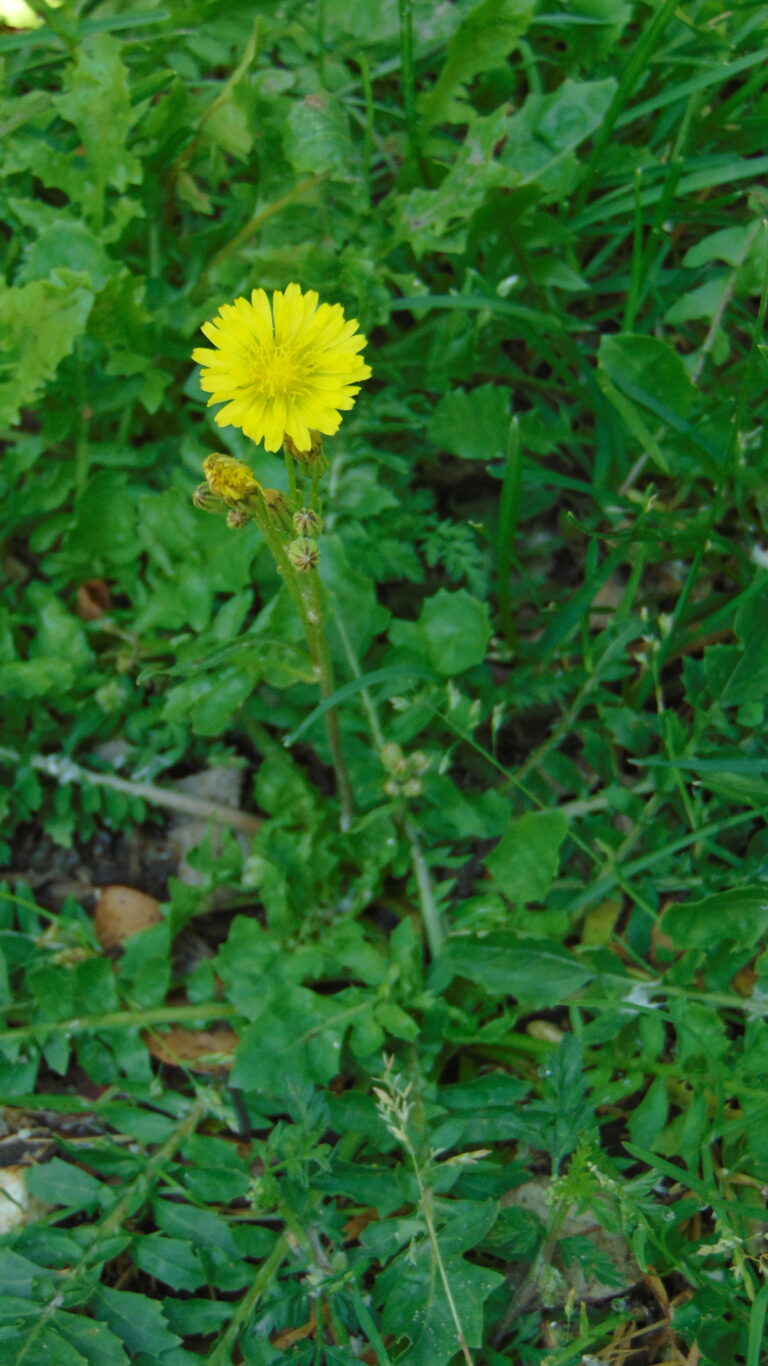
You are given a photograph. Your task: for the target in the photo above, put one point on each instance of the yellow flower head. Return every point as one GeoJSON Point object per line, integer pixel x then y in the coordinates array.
{"type": "Point", "coordinates": [283, 370]}
{"type": "Point", "coordinates": [230, 479]}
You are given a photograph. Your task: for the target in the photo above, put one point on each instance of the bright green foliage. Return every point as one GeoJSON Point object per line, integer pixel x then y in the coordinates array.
{"type": "Point", "coordinates": [554, 212]}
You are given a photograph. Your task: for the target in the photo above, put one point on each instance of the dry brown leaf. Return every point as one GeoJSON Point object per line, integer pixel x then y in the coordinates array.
{"type": "Point", "coordinates": [201, 1050]}
{"type": "Point", "coordinates": [93, 600]}
{"type": "Point", "coordinates": [121, 912]}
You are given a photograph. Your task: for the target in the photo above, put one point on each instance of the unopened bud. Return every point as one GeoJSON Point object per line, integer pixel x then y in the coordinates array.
{"type": "Point", "coordinates": [303, 553]}
{"type": "Point", "coordinates": [307, 522]}
{"type": "Point", "coordinates": [230, 479]}
{"type": "Point", "coordinates": [278, 508]}
{"type": "Point", "coordinates": [391, 757]}
{"type": "Point", "coordinates": [205, 500]}
{"type": "Point", "coordinates": [237, 517]}
{"type": "Point", "coordinates": [412, 788]}
{"type": "Point", "coordinates": [314, 457]}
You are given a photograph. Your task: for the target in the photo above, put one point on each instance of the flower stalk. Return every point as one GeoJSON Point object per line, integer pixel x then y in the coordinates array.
{"type": "Point", "coordinates": [285, 371]}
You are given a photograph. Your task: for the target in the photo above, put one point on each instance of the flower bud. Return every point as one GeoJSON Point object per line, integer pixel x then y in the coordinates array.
{"type": "Point", "coordinates": [303, 553]}
{"type": "Point", "coordinates": [314, 458]}
{"type": "Point", "coordinates": [307, 523]}
{"type": "Point", "coordinates": [391, 757]}
{"type": "Point", "coordinates": [237, 517]}
{"type": "Point", "coordinates": [230, 479]}
{"type": "Point", "coordinates": [205, 500]}
{"type": "Point", "coordinates": [278, 508]}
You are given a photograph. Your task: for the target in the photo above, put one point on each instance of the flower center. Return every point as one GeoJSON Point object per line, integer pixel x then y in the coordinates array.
{"type": "Point", "coordinates": [280, 371]}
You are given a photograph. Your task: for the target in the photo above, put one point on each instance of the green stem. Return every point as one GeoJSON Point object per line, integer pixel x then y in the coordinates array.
{"type": "Point", "coordinates": [509, 513]}
{"type": "Point", "coordinates": [409, 82]}
{"type": "Point", "coordinates": [304, 588]}
{"type": "Point", "coordinates": [119, 1019]}
{"type": "Point", "coordinates": [260, 1283]}
{"type": "Point", "coordinates": [317, 639]}
{"type": "Point", "coordinates": [293, 492]}
{"type": "Point", "coordinates": [430, 913]}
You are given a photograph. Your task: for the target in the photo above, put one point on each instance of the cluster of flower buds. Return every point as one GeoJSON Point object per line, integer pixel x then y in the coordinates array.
{"type": "Point", "coordinates": [232, 487]}
{"type": "Point", "coordinates": [304, 552]}
{"type": "Point", "coordinates": [405, 770]}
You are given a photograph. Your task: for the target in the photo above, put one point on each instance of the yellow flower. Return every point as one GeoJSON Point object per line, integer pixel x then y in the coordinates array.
{"type": "Point", "coordinates": [285, 370]}
{"type": "Point", "coordinates": [229, 479]}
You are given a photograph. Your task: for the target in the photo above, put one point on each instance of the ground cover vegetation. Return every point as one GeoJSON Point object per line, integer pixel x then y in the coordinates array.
{"type": "Point", "coordinates": [466, 1061]}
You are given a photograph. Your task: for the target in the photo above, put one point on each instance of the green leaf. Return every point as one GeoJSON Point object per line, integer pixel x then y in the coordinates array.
{"type": "Point", "coordinates": [169, 1260]}
{"type": "Point", "coordinates": [472, 424]}
{"type": "Point", "coordinates": [487, 35]}
{"type": "Point", "coordinates": [71, 245]}
{"type": "Point", "coordinates": [227, 127]}
{"type": "Point", "coordinates": [294, 1040]}
{"type": "Point", "coordinates": [94, 1341]}
{"type": "Point", "coordinates": [542, 138]}
{"type": "Point", "coordinates": [639, 373]}
{"type": "Point", "coordinates": [536, 972]}
{"type": "Point", "coordinates": [527, 856]}
{"type": "Point", "coordinates": [416, 1307]}
{"type": "Point", "coordinates": [139, 1322]}
{"type": "Point", "coordinates": [97, 102]}
{"type": "Point", "coordinates": [62, 1183]}
{"type": "Point", "coordinates": [452, 632]}
{"type": "Point", "coordinates": [39, 324]}
{"type": "Point", "coordinates": [316, 137]}
{"type": "Point", "coordinates": [739, 915]}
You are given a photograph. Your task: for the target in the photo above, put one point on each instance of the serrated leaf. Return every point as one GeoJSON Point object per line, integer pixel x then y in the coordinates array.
{"type": "Point", "coordinates": [416, 1307]}
{"type": "Point", "coordinates": [97, 102]}
{"type": "Point", "coordinates": [139, 1322]}
{"type": "Point", "coordinates": [96, 1344]}
{"type": "Point", "coordinates": [39, 324]}
{"type": "Point", "coordinates": [473, 424]}
{"type": "Point", "coordinates": [485, 39]}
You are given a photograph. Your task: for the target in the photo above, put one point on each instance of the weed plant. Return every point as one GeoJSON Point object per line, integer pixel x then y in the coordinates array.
{"type": "Point", "coordinates": [499, 1087]}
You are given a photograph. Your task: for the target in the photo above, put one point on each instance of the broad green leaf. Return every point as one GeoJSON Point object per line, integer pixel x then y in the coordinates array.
{"type": "Point", "coordinates": [96, 1344]}
{"type": "Point", "coordinates": [227, 127]}
{"type": "Point", "coordinates": [527, 856]}
{"type": "Point", "coordinates": [542, 138]}
{"type": "Point", "coordinates": [317, 139]}
{"type": "Point", "coordinates": [473, 424]}
{"type": "Point", "coordinates": [39, 324]}
{"type": "Point", "coordinates": [536, 972]}
{"type": "Point", "coordinates": [71, 245]}
{"type": "Point", "coordinates": [739, 915]}
{"type": "Point", "coordinates": [452, 632]}
{"type": "Point", "coordinates": [294, 1040]}
{"type": "Point", "coordinates": [643, 366]}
